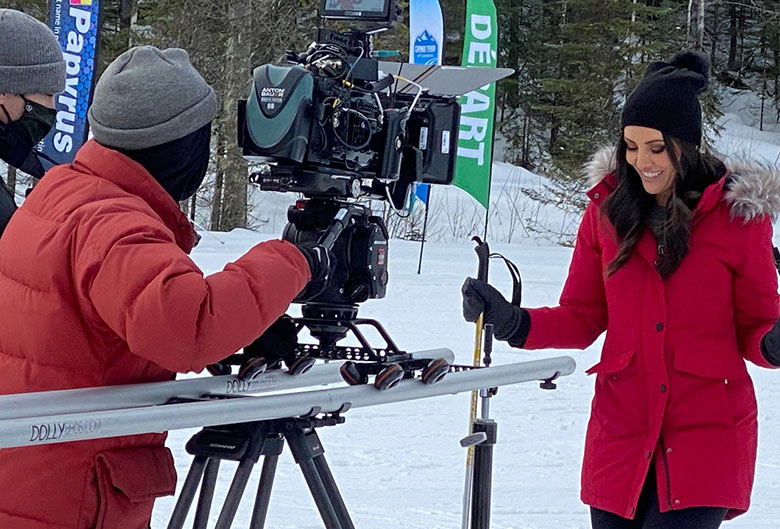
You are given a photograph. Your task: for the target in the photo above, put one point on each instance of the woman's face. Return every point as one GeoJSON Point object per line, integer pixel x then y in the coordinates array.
{"type": "Point", "coordinates": [646, 152]}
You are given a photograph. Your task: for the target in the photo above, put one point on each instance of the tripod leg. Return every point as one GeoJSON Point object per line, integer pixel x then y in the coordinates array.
{"type": "Point", "coordinates": [264, 492]}
{"type": "Point", "coordinates": [187, 493]}
{"type": "Point", "coordinates": [309, 454]}
{"type": "Point", "coordinates": [206, 494]}
{"type": "Point", "coordinates": [483, 474]}
{"type": "Point", "coordinates": [234, 494]}
{"type": "Point", "coordinates": [333, 492]}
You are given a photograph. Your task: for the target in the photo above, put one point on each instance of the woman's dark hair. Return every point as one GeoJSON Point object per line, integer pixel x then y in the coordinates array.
{"type": "Point", "coordinates": [629, 205]}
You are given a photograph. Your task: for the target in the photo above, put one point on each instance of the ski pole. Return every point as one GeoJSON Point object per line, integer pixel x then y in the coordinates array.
{"type": "Point", "coordinates": [484, 430]}
{"type": "Point", "coordinates": [483, 254]}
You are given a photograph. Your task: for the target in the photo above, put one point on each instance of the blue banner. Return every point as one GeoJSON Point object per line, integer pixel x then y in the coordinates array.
{"type": "Point", "coordinates": [426, 32]}
{"type": "Point", "coordinates": [426, 45]}
{"type": "Point", "coordinates": [76, 23]}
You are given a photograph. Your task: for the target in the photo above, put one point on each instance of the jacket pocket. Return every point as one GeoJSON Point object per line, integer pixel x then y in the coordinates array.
{"type": "Point", "coordinates": [618, 406]}
{"type": "Point", "coordinates": [710, 362]}
{"type": "Point", "coordinates": [712, 387]}
{"type": "Point", "coordinates": [611, 363]}
{"type": "Point", "coordinates": [129, 480]}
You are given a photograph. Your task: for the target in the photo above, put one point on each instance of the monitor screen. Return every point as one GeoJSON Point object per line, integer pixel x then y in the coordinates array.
{"type": "Point", "coordinates": [355, 9]}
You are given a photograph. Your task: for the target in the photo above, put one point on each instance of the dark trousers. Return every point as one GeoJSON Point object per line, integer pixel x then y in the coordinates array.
{"type": "Point", "coordinates": [648, 515]}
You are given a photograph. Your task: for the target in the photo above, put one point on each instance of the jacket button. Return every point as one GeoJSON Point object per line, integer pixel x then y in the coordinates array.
{"type": "Point", "coordinates": [659, 326]}
{"type": "Point", "coordinates": [596, 195]}
{"type": "Point", "coordinates": [668, 450]}
{"type": "Point", "coordinates": [663, 388]}
{"type": "Point", "coordinates": [648, 454]}
{"type": "Point", "coordinates": [677, 502]}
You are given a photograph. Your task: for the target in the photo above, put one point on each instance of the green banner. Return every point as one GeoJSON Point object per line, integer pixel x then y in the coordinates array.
{"type": "Point", "coordinates": [475, 137]}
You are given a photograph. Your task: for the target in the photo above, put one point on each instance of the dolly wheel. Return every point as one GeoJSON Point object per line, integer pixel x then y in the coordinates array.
{"type": "Point", "coordinates": [389, 377]}
{"type": "Point", "coordinates": [252, 368]}
{"type": "Point", "coordinates": [435, 371]}
{"type": "Point", "coordinates": [218, 369]}
{"type": "Point", "coordinates": [301, 365]}
{"type": "Point", "coordinates": [352, 374]}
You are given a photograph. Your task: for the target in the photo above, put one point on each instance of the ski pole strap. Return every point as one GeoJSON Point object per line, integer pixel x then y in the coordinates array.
{"type": "Point", "coordinates": [517, 285]}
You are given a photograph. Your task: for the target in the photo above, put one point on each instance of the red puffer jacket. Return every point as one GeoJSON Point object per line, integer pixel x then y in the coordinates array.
{"type": "Point", "coordinates": [672, 387]}
{"type": "Point", "coordinates": [96, 289]}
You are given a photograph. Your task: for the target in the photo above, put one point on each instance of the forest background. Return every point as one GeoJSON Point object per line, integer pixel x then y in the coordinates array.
{"type": "Point", "coordinates": [574, 60]}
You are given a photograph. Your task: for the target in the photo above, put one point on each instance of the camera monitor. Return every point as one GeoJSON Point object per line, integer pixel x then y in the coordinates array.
{"type": "Point", "coordinates": [371, 10]}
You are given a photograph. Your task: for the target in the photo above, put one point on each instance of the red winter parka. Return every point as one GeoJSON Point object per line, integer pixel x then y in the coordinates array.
{"type": "Point", "coordinates": [672, 386]}
{"type": "Point", "coordinates": [96, 289]}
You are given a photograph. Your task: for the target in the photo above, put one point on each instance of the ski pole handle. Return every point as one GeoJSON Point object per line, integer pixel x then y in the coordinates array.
{"type": "Point", "coordinates": [483, 254]}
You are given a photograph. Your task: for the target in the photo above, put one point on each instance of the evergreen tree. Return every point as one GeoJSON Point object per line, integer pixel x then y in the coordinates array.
{"type": "Point", "coordinates": [579, 96]}
{"type": "Point", "coordinates": [575, 61]}
{"type": "Point", "coordinates": [524, 32]}
{"type": "Point", "coordinates": [592, 55]}
{"type": "Point", "coordinates": [225, 41]}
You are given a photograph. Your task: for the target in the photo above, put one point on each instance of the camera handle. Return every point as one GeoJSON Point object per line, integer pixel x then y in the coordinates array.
{"type": "Point", "coordinates": [339, 223]}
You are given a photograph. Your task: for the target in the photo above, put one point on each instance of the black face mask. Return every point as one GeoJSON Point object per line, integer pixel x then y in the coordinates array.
{"type": "Point", "coordinates": [18, 138]}
{"type": "Point", "coordinates": [179, 165]}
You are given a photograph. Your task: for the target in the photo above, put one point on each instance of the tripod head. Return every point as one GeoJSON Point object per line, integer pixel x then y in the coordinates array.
{"type": "Point", "coordinates": [358, 242]}
{"type": "Point", "coordinates": [356, 238]}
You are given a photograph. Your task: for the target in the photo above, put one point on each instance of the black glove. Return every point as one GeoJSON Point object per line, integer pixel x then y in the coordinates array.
{"type": "Point", "coordinates": [320, 262]}
{"type": "Point", "coordinates": [510, 322]}
{"type": "Point", "coordinates": [770, 345]}
{"type": "Point", "coordinates": [277, 343]}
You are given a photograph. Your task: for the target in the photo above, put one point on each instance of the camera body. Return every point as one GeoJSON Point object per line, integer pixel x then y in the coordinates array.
{"type": "Point", "coordinates": [339, 126]}
{"type": "Point", "coordinates": [333, 126]}
{"type": "Point", "coordinates": [335, 123]}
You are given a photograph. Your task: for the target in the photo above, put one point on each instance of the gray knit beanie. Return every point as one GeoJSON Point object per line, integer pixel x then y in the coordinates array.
{"type": "Point", "coordinates": [148, 97]}
{"type": "Point", "coordinates": [30, 57]}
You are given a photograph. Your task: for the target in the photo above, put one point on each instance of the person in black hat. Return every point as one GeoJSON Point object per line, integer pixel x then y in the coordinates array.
{"type": "Point", "coordinates": [673, 259]}
{"type": "Point", "coordinates": [32, 70]}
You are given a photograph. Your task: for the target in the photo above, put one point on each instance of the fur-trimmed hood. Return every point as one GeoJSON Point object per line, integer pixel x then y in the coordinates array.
{"type": "Point", "coordinates": [753, 188]}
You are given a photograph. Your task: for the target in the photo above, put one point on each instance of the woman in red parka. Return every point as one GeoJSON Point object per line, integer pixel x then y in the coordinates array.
{"type": "Point", "coordinates": [97, 289]}
{"type": "Point", "coordinates": [673, 259]}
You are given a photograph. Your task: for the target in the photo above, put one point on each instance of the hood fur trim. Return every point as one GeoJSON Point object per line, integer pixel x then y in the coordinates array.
{"type": "Point", "coordinates": [753, 188]}
{"type": "Point", "coordinates": [599, 165]}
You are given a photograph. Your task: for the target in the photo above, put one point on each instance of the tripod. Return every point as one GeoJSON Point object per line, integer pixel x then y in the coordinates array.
{"type": "Point", "coordinates": [245, 443]}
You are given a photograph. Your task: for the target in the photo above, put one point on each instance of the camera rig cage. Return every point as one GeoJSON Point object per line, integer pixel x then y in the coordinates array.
{"type": "Point", "coordinates": [342, 127]}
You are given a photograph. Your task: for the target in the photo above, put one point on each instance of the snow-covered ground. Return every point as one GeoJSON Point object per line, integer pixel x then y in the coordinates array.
{"type": "Point", "coordinates": [400, 465]}
{"type": "Point", "coordinates": [745, 134]}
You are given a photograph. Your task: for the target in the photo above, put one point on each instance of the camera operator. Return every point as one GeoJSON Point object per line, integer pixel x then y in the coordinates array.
{"type": "Point", "coordinates": [97, 289]}
{"type": "Point", "coordinates": [32, 70]}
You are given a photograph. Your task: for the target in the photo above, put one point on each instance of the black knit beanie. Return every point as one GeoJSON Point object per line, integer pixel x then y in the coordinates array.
{"type": "Point", "coordinates": [666, 98]}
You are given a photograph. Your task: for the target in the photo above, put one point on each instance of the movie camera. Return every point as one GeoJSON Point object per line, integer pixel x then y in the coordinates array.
{"type": "Point", "coordinates": [342, 127]}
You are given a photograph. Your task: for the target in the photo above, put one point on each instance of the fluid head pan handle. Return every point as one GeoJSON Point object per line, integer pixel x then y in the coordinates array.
{"type": "Point", "coordinates": [338, 224]}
